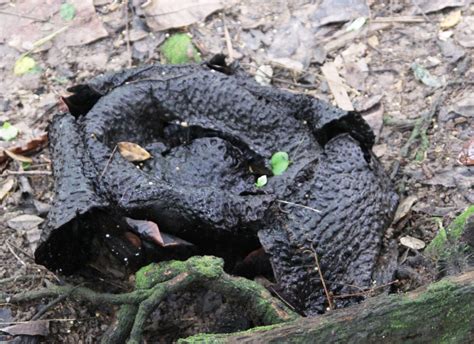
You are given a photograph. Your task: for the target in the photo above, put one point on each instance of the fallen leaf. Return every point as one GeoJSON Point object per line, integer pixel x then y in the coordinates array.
{"type": "Point", "coordinates": [373, 41]}
{"type": "Point", "coordinates": [29, 328]}
{"type": "Point", "coordinates": [356, 24]}
{"type": "Point", "coordinates": [147, 230]}
{"type": "Point", "coordinates": [24, 65]}
{"type": "Point", "coordinates": [337, 86]}
{"type": "Point", "coordinates": [451, 20]}
{"type": "Point", "coordinates": [404, 207]}
{"type": "Point", "coordinates": [413, 243]}
{"type": "Point", "coordinates": [179, 49]}
{"type": "Point", "coordinates": [261, 181]}
{"type": "Point", "coordinates": [168, 14]}
{"type": "Point", "coordinates": [428, 6]}
{"type": "Point", "coordinates": [6, 187]}
{"type": "Point", "coordinates": [264, 75]}
{"type": "Point", "coordinates": [67, 11]}
{"type": "Point", "coordinates": [21, 32]}
{"type": "Point", "coordinates": [32, 145]}
{"type": "Point", "coordinates": [331, 11]}
{"type": "Point", "coordinates": [8, 132]}
{"type": "Point", "coordinates": [466, 156]}
{"type": "Point", "coordinates": [33, 236]}
{"type": "Point", "coordinates": [25, 222]}
{"type": "Point", "coordinates": [374, 117]}
{"type": "Point", "coordinates": [464, 33]}
{"type": "Point", "coordinates": [133, 152]}
{"type": "Point", "coordinates": [279, 162]}
{"type": "Point", "coordinates": [423, 75]}
{"type": "Point", "coordinates": [18, 157]}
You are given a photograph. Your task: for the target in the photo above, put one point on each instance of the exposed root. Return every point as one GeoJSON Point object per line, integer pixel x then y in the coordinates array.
{"type": "Point", "coordinates": [157, 281]}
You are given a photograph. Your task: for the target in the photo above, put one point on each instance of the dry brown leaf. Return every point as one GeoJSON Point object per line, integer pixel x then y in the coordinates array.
{"type": "Point", "coordinates": [337, 86]}
{"type": "Point", "coordinates": [6, 187]}
{"type": "Point", "coordinates": [32, 145]}
{"type": "Point", "coordinates": [451, 20]}
{"type": "Point", "coordinates": [404, 207]}
{"type": "Point", "coordinates": [168, 14]}
{"type": "Point", "coordinates": [18, 157]}
{"type": "Point", "coordinates": [413, 243]}
{"type": "Point", "coordinates": [147, 229]}
{"type": "Point", "coordinates": [133, 152]}
{"type": "Point", "coordinates": [29, 328]}
{"type": "Point", "coordinates": [25, 222]}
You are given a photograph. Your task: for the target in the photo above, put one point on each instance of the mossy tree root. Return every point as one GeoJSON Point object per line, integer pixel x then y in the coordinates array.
{"type": "Point", "coordinates": [439, 313]}
{"type": "Point", "coordinates": [157, 281]}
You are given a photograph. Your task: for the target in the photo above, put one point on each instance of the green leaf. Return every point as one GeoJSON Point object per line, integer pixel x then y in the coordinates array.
{"type": "Point", "coordinates": [356, 24]}
{"type": "Point", "coordinates": [67, 12]}
{"type": "Point", "coordinates": [24, 65]}
{"type": "Point", "coordinates": [26, 166]}
{"type": "Point", "coordinates": [179, 49]}
{"type": "Point", "coordinates": [423, 75]}
{"type": "Point", "coordinates": [261, 181]}
{"type": "Point", "coordinates": [8, 132]}
{"type": "Point", "coordinates": [279, 163]}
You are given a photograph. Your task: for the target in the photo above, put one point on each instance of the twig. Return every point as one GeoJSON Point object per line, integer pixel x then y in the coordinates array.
{"type": "Point", "coordinates": [27, 173]}
{"type": "Point", "coordinates": [108, 162]}
{"type": "Point", "coordinates": [23, 16]}
{"type": "Point", "coordinates": [51, 304]}
{"type": "Point", "coordinates": [365, 292]}
{"type": "Point", "coordinates": [127, 35]}
{"type": "Point", "coordinates": [298, 205]}
{"type": "Point", "coordinates": [14, 254]}
{"type": "Point", "coordinates": [415, 3]}
{"type": "Point", "coordinates": [323, 282]}
{"type": "Point", "coordinates": [228, 42]}
{"type": "Point", "coordinates": [401, 19]}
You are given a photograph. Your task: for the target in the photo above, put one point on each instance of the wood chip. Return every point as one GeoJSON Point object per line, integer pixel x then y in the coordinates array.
{"type": "Point", "coordinates": [337, 86]}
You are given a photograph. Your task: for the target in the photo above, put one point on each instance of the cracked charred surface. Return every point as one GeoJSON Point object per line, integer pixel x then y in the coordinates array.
{"type": "Point", "coordinates": [211, 134]}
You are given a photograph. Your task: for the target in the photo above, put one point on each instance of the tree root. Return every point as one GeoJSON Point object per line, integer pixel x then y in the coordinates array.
{"type": "Point", "coordinates": [157, 281]}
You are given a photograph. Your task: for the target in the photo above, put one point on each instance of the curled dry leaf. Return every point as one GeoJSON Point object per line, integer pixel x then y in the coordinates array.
{"type": "Point", "coordinates": [413, 243]}
{"type": "Point", "coordinates": [32, 145]}
{"type": "Point", "coordinates": [404, 208]}
{"type": "Point", "coordinates": [133, 152]}
{"type": "Point", "coordinates": [29, 328]}
{"type": "Point", "coordinates": [6, 187]}
{"type": "Point", "coordinates": [25, 222]}
{"type": "Point", "coordinates": [147, 230]}
{"type": "Point", "coordinates": [18, 157]}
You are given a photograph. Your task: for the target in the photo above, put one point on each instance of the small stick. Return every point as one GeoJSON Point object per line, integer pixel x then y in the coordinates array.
{"type": "Point", "coordinates": [23, 16]}
{"type": "Point", "coordinates": [108, 162]}
{"type": "Point", "coordinates": [27, 173]}
{"type": "Point", "coordinates": [326, 291]}
{"type": "Point", "coordinates": [230, 49]}
{"type": "Point", "coordinates": [298, 205]}
{"type": "Point", "coordinates": [14, 254]}
{"type": "Point", "coordinates": [127, 36]}
{"type": "Point", "coordinates": [366, 291]}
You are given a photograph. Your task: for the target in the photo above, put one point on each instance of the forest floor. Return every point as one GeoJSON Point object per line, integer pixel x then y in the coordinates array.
{"type": "Point", "coordinates": [406, 65]}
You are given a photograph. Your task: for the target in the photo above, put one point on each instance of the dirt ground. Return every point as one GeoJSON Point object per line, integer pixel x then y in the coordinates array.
{"type": "Point", "coordinates": [406, 65]}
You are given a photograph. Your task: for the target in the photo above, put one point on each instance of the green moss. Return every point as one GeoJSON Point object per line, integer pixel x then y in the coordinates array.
{"type": "Point", "coordinates": [179, 49]}
{"type": "Point", "coordinates": [448, 237]}
{"type": "Point", "coordinates": [154, 273]}
{"type": "Point", "coordinates": [207, 266]}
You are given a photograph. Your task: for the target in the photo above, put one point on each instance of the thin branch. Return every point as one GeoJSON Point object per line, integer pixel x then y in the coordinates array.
{"type": "Point", "coordinates": [298, 205]}
{"type": "Point", "coordinates": [326, 291]}
{"type": "Point", "coordinates": [27, 173]}
{"type": "Point", "coordinates": [108, 162]}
